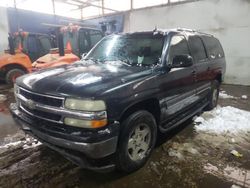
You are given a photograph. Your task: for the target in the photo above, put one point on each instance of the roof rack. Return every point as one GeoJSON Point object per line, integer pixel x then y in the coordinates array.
{"type": "Point", "coordinates": [185, 29]}
{"type": "Point", "coordinates": [194, 31]}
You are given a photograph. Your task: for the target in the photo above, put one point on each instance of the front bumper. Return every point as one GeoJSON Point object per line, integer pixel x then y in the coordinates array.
{"type": "Point", "coordinates": [77, 151]}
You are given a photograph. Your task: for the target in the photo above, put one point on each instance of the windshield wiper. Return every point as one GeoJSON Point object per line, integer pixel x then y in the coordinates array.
{"type": "Point", "coordinates": [91, 59]}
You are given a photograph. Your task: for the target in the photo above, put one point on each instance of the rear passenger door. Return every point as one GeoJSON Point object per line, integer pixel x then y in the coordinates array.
{"type": "Point", "coordinates": [201, 65]}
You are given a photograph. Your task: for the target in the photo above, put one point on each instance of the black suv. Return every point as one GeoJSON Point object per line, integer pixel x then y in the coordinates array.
{"type": "Point", "coordinates": [106, 110]}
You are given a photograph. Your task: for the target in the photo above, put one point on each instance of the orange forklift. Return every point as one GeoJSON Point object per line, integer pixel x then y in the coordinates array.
{"type": "Point", "coordinates": [24, 48]}
{"type": "Point", "coordinates": [73, 42]}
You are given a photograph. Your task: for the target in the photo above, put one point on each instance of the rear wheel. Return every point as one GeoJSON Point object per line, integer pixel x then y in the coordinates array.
{"type": "Point", "coordinates": [214, 95]}
{"type": "Point", "coordinates": [136, 142]}
{"type": "Point", "coordinates": [12, 75]}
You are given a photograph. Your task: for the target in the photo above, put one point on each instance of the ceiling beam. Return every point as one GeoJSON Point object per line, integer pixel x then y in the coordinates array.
{"type": "Point", "coordinates": [87, 4]}
{"type": "Point", "coordinates": [53, 7]}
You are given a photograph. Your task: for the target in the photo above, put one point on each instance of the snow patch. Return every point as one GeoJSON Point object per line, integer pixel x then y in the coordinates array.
{"type": "Point", "coordinates": [244, 96]}
{"type": "Point", "coordinates": [199, 119]}
{"type": "Point", "coordinates": [223, 120]}
{"type": "Point", "coordinates": [3, 98]}
{"type": "Point", "coordinates": [224, 95]}
{"type": "Point", "coordinates": [12, 144]}
{"type": "Point", "coordinates": [33, 145]}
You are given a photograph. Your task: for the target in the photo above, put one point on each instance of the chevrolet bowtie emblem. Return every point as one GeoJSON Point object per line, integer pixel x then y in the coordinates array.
{"type": "Point", "coordinates": [31, 104]}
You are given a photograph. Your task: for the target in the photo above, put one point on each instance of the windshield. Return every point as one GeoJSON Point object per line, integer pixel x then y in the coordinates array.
{"type": "Point", "coordinates": [135, 49]}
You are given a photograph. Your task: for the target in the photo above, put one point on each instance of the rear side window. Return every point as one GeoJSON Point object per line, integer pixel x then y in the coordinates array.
{"type": "Point", "coordinates": [178, 46]}
{"type": "Point", "coordinates": [213, 46]}
{"type": "Point", "coordinates": [197, 48]}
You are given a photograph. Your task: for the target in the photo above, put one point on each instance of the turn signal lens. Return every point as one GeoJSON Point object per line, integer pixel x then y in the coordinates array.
{"type": "Point", "coordinates": [85, 123]}
{"type": "Point", "coordinates": [98, 123]}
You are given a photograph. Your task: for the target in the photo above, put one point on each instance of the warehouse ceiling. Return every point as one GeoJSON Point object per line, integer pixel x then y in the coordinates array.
{"type": "Point", "coordinates": [84, 9]}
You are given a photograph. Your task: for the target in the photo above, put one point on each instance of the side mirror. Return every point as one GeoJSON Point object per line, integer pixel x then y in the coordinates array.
{"type": "Point", "coordinates": [182, 61]}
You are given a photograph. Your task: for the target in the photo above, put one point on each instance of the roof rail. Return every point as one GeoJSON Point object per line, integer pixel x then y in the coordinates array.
{"type": "Point", "coordinates": [185, 29]}
{"type": "Point", "coordinates": [205, 33]}
{"type": "Point", "coordinates": [194, 31]}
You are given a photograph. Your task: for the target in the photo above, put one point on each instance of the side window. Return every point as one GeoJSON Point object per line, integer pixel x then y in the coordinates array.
{"type": "Point", "coordinates": [197, 48]}
{"type": "Point", "coordinates": [32, 44]}
{"type": "Point", "coordinates": [178, 46]}
{"type": "Point", "coordinates": [45, 42]}
{"type": "Point", "coordinates": [95, 36]}
{"type": "Point", "coordinates": [213, 46]}
{"type": "Point", "coordinates": [84, 43]}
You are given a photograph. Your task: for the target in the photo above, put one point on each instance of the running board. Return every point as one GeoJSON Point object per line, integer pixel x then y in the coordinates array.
{"type": "Point", "coordinates": [182, 117]}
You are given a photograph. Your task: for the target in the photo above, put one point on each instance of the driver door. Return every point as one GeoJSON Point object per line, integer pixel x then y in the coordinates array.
{"type": "Point", "coordinates": [177, 86]}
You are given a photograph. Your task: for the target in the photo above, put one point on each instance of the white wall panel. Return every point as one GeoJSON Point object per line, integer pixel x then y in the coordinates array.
{"type": "Point", "coordinates": [228, 20]}
{"type": "Point", "coordinates": [3, 29]}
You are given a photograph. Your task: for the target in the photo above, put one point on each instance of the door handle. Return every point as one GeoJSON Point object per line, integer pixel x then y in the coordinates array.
{"type": "Point", "coordinates": [193, 72]}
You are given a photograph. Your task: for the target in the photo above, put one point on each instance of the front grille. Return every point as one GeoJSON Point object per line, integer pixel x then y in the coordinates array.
{"type": "Point", "coordinates": [42, 114]}
{"type": "Point", "coordinates": [47, 100]}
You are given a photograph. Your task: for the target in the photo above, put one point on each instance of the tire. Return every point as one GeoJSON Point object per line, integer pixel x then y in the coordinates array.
{"type": "Point", "coordinates": [214, 95]}
{"type": "Point", "coordinates": [12, 74]}
{"type": "Point", "coordinates": [136, 141]}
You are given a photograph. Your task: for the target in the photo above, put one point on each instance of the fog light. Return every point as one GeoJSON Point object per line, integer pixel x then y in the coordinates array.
{"type": "Point", "coordinates": [85, 123]}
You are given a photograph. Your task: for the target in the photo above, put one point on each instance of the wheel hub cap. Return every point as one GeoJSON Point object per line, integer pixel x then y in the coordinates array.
{"type": "Point", "coordinates": [139, 141]}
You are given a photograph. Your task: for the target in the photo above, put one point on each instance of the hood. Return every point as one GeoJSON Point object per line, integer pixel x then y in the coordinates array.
{"type": "Point", "coordinates": [6, 57]}
{"type": "Point", "coordinates": [81, 79]}
{"type": "Point", "coordinates": [51, 60]}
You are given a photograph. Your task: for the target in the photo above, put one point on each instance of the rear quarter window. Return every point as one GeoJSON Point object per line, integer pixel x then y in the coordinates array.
{"type": "Point", "coordinates": [213, 46]}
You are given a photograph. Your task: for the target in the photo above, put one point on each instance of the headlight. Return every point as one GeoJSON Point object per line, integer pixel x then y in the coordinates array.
{"type": "Point", "coordinates": [96, 107]}
{"type": "Point", "coordinates": [85, 105]}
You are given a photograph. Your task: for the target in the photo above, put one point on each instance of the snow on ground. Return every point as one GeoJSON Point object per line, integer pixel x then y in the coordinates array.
{"type": "Point", "coordinates": [12, 144]}
{"type": "Point", "coordinates": [224, 95]}
{"type": "Point", "coordinates": [33, 145]}
{"type": "Point", "coordinates": [244, 96]}
{"type": "Point", "coordinates": [3, 98]}
{"type": "Point", "coordinates": [223, 120]}
{"type": "Point", "coordinates": [25, 144]}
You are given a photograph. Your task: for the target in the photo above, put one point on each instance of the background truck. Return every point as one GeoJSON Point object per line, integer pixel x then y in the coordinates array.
{"type": "Point", "coordinates": [73, 41]}
{"type": "Point", "coordinates": [24, 48]}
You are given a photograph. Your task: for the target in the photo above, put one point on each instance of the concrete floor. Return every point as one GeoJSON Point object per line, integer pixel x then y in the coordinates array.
{"type": "Point", "coordinates": [200, 159]}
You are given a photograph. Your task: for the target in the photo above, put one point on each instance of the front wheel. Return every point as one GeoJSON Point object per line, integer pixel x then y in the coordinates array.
{"type": "Point", "coordinates": [214, 95]}
{"type": "Point", "coordinates": [136, 142]}
{"type": "Point", "coordinates": [12, 75]}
